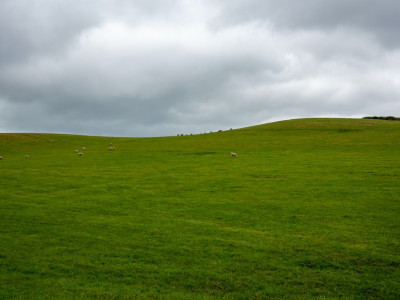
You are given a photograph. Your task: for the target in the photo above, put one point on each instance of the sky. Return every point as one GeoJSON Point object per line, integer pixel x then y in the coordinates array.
{"type": "Point", "coordinates": [162, 67]}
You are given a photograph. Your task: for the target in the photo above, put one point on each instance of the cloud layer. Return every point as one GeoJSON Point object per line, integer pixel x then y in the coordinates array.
{"type": "Point", "coordinates": [152, 68]}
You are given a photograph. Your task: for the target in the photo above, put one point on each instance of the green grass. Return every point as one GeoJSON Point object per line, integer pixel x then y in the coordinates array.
{"type": "Point", "coordinates": [309, 209]}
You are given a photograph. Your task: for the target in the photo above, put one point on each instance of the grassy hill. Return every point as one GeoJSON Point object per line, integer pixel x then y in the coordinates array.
{"type": "Point", "coordinates": [309, 208]}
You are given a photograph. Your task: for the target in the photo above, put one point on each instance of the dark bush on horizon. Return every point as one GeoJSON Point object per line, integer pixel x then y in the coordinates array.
{"type": "Point", "coordinates": [384, 118]}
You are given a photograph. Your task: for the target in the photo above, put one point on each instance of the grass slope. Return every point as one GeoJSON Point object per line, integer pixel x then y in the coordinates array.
{"type": "Point", "coordinates": [309, 208]}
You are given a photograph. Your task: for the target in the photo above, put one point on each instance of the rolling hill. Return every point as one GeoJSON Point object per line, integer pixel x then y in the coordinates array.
{"type": "Point", "coordinates": [308, 208]}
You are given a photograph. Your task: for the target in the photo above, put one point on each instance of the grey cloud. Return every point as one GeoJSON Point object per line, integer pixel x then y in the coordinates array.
{"type": "Point", "coordinates": [29, 28]}
{"type": "Point", "coordinates": [85, 94]}
{"type": "Point", "coordinates": [149, 68]}
{"type": "Point", "coordinates": [34, 28]}
{"type": "Point", "coordinates": [379, 18]}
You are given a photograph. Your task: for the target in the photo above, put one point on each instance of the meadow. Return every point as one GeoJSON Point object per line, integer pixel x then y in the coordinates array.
{"type": "Point", "coordinates": [308, 209]}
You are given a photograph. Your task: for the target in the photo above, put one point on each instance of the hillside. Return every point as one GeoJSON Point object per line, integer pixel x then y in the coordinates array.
{"type": "Point", "coordinates": [308, 208]}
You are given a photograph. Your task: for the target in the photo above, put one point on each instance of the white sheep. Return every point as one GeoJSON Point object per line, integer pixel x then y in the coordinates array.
{"type": "Point", "coordinates": [27, 156]}
{"type": "Point", "coordinates": [80, 154]}
{"type": "Point", "coordinates": [110, 144]}
{"type": "Point", "coordinates": [234, 154]}
{"type": "Point", "coordinates": [76, 150]}
{"type": "Point", "coordinates": [83, 148]}
{"type": "Point", "coordinates": [1, 157]}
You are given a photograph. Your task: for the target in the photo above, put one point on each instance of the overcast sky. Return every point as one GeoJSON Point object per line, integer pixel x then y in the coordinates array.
{"type": "Point", "coordinates": [162, 67]}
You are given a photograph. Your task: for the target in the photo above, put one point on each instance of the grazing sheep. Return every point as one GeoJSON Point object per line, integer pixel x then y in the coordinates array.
{"type": "Point", "coordinates": [110, 149]}
{"type": "Point", "coordinates": [76, 150]}
{"type": "Point", "coordinates": [220, 130]}
{"type": "Point", "coordinates": [80, 154]}
{"type": "Point", "coordinates": [110, 144]}
{"type": "Point", "coordinates": [83, 148]}
{"type": "Point", "coordinates": [234, 154]}
{"type": "Point", "coordinates": [1, 157]}
{"type": "Point", "coordinates": [27, 156]}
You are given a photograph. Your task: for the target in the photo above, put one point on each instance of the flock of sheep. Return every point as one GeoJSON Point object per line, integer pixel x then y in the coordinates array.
{"type": "Point", "coordinates": [181, 134]}
{"type": "Point", "coordinates": [110, 148]}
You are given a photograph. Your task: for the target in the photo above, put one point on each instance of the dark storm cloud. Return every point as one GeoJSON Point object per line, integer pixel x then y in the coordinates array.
{"type": "Point", "coordinates": [147, 68]}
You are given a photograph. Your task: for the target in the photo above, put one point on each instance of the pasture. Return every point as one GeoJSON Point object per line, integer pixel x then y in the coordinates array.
{"type": "Point", "coordinates": [309, 208]}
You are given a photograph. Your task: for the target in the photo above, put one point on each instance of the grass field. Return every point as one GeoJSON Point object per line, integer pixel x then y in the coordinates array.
{"type": "Point", "coordinates": [310, 208]}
